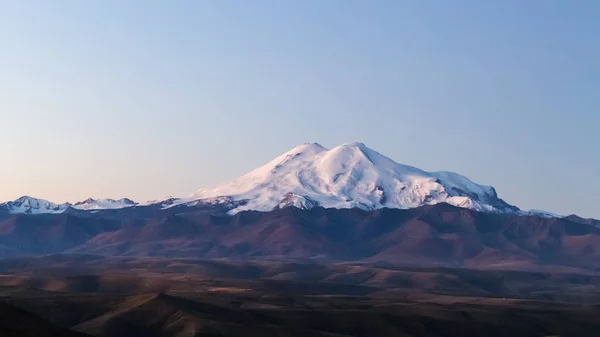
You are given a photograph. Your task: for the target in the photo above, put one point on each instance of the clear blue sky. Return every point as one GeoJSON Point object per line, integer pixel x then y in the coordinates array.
{"type": "Point", "coordinates": [146, 99]}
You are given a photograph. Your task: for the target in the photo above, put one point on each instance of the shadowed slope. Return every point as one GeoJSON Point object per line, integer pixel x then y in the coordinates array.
{"type": "Point", "coordinates": [16, 322]}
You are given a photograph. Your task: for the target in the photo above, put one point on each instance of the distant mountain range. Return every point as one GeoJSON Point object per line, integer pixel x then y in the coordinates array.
{"type": "Point", "coordinates": [349, 203]}
{"type": "Point", "coordinates": [30, 205]}
{"type": "Point", "coordinates": [309, 175]}
{"type": "Point", "coordinates": [439, 234]}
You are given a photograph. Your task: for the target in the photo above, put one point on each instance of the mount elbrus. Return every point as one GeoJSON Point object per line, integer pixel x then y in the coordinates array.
{"type": "Point", "coordinates": [309, 175]}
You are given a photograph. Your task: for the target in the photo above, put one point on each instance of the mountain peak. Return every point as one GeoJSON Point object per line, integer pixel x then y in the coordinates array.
{"type": "Point", "coordinates": [358, 145]}
{"type": "Point", "coordinates": [30, 205]}
{"type": "Point", "coordinates": [304, 147]}
{"type": "Point", "coordinates": [312, 144]}
{"type": "Point", "coordinates": [26, 198]}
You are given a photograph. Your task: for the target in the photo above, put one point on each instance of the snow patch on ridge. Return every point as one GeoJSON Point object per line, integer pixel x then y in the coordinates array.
{"type": "Point", "coordinates": [298, 201]}
{"type": "Point", "coordinates": [98, 204]}
{"type": "Point", "coordinates": [543, 214]}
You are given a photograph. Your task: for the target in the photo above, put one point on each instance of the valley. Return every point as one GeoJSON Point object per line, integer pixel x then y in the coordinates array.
{"type": "Point", "coordinates": [113, 297]}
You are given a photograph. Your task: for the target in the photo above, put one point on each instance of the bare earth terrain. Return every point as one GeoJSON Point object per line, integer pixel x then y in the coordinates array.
{"type": "Point", "coordinates": [185, 297]}
{"type": "Point", "coordinates": [432, 271]}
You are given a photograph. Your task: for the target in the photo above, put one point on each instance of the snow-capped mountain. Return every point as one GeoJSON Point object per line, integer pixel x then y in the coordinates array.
{"type": "Point", "coordinates": [97, 204]}
{"type": "Point", "coordinates": [29, 205]}
{"type": "Point", "coordinates": [309, 175]}
{"type": "Point", "coordinates": [347, 176]}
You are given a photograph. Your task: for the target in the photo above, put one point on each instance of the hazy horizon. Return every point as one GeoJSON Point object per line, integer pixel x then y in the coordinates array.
{"type": "Point", "coordinates": [147, 99]}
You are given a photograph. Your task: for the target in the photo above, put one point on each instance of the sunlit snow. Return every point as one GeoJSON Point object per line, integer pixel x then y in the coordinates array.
{"type": "Point", "coordinates": [347, 176]}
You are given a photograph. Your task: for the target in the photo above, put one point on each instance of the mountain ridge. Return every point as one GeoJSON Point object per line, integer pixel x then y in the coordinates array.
{"type": "Point", "coordinates": [439, 234]}
{"type": "Point", "coordinates": [30, 205]}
